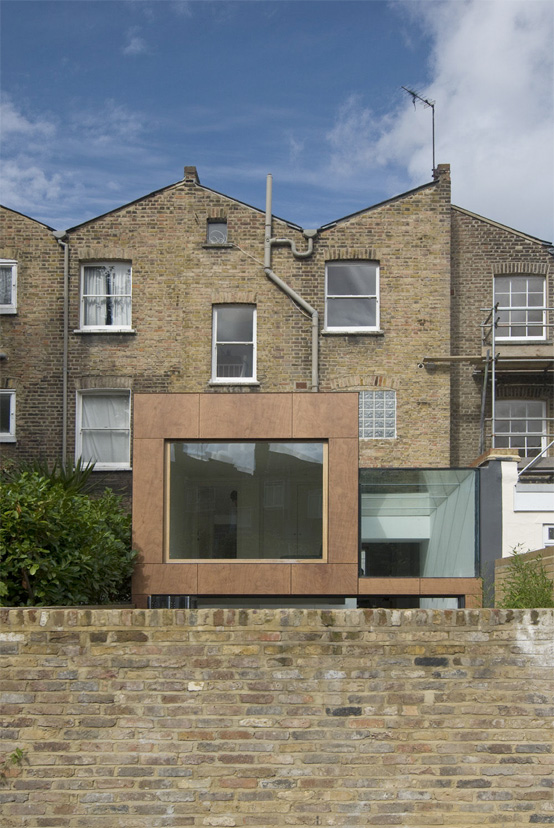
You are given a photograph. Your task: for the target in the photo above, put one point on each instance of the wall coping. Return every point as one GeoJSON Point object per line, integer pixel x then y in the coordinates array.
{"type": "Point", "coordinates": [49, 618]}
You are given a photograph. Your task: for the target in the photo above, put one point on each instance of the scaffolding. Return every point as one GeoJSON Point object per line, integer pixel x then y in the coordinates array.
{"type": "Point", "coordinates": [492, 362]}
{"type": "Point", "coordinates": [495, 362]}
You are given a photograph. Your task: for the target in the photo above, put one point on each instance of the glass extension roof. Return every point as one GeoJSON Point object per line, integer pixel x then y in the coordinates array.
{"type": "Point", "coordinates": [407, 492]}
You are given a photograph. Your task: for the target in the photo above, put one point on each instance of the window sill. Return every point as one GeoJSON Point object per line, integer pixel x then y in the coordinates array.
{"type": "Point", "coordinates": [7, 438]}
{"type": "Point", "coordinates": [110, 330]}
{"type": "Point", "coordinates": [522, 340]}
{"type": "Point", "coordinates": [233, 381]}
{"type": "Point", "coordinates": [216, 246]}
{"type": "Point", "coordinates": [102, 467]}
{"type": "Point", "coordinates": [351, 332]}
{"type": "Point", "coordinates": [8, 311]}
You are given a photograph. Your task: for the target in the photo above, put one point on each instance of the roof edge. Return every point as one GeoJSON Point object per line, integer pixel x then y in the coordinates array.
{"type": "Point", "coordinates": [170, 187]}
{"type": "Point", "coordinates": [379, 204]}
{"type": "Point", "coordinates": [19, 213]}
{"type": "Point", "coordinates": [501, 226]}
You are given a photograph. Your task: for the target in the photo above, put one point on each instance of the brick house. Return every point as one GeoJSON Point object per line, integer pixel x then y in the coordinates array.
{"type": "Point", "coordinates": [296, 412]}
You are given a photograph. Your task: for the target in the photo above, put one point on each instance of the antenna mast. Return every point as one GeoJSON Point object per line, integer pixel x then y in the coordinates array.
{"type": "Point", "coordinates": [427, 103]}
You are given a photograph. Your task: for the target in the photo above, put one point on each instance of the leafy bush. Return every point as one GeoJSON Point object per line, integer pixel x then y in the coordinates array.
{"type": "Point", "coordinates": [59, 545]}
{"type": "Point", "coordinates": [526, 583]}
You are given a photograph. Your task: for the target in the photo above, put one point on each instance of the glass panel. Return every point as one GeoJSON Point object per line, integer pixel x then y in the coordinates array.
{"type": "Point", "coordinates": [418, 522]}
{"type": "Point", "coordinates": [519, 284]}
{"type": "Point", "coordinates": [121, 311]}
{"type": "Point", "coordinates": [120, 280]}
{"type": "Point", "coordinates": [352, 278]}
{"type": "Point", "coordinates": [535, 407]}
{"type": "Point", "coordinates": [105, 428]}
{"type": "Point", "coordinates": [501, 285]}
{"type": "Point", "coordinates": [351, 313]}
{"type": "Point", "coordinates": [5, 285]}
{"type": "Point", "coordinates": [536, 284]}
{"type": "Point", "coordinates": [234, 361]}
{"type": "Point", "coordinates": [235, 324]}
{"type": "Point", "coordinates": [5, 408]}
{"type": "Point", "coordinates": [105, 411]}
{"type": "Point", "coordinates": [248, 501]}
{"type": "Point", "coordinates": [105, 446]}
{"type": "Point", "coordinates": [518, 316]}
{"type": "Point", "coordinates": [217, 232]}
{"type": "Point", "coordinates": [95, 312]}
{"type": "Point", "coordinates": [103, 286]}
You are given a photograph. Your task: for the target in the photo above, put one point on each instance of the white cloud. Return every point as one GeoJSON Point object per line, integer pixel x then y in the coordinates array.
{"type": "Point", "coordinates": [15, 123]}
{"type": "Point", "coordinates": [182, 8]}
{"type": "Point", "coordinates": [24, 184]}
{"type": "Point", "coordinates": [108, 124]}
{"type": "Point", "coordinates": [135, 45]}
{"type": "Point", "coordinates": [492, 81]}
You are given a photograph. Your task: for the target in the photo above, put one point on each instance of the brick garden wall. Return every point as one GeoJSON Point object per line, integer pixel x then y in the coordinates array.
{"type": "Point", "coordinates": [277, 718]}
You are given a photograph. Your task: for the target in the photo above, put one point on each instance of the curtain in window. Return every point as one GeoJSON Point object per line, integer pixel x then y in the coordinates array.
{"type": "Point", "coordinates": [105, 428]}
{"type": "Point", "coordinates": [107, 295]}
{"type": "Point", "coordinates": [5, 285]}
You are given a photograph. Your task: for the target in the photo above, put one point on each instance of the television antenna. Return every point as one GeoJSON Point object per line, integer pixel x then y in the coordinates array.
{"type": "Point", "coordinates": [427, 103]}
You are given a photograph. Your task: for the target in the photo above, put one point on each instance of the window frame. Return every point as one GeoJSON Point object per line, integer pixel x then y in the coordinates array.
{"type": "Point", "coordinates": [362, 397]}
{"type": "Point", "coordinates": [337, 297]}
{"type": "Point", "coordinates": [523, 436]}
{"type": "Point", "coordinates": [106, 263]}
{"type": "Point", "coordinates": [9, 436]}
{"type": "Point", "coordinates": [503, 333]}
{"type": "Point", "coordinates": [10, 307]}
{"type": "Point", "coordinates": [249, 380]}
{"type": "Point", "coordinates": [169, 445]}
{"type": "Point", "coordinates": [102, 465]}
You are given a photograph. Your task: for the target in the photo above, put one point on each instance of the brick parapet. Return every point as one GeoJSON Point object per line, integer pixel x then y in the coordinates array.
{"type": "Point", "coordinates": [277, 717]}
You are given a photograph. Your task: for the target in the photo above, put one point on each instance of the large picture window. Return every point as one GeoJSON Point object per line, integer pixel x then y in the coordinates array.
{"type": "Point", "coordinates": [104, 428]}
{"type": "Point", "coordinates": [246, 500]}
{"type": "Point", "coordinates": [234, 343]}
{"type": "Point", "coordinates": [352, 296]}
{"type": "Point", "coordinates": [106, 296]}
{"type": "Point", "coordinates": [521, 307]}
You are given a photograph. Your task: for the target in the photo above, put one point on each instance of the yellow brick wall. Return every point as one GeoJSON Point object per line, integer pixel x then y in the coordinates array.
{"type": "Point", "coordinates": [151, 719]}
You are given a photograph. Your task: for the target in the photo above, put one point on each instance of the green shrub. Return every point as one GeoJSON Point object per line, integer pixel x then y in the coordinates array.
{"type": "Point", "coordinates": [59, 545]}
{"type": "Point", "coordinates": [525, 584]}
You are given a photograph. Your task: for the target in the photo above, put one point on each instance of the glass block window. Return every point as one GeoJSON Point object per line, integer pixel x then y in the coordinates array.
{"type": "Point", "coordinates": [377, 415]}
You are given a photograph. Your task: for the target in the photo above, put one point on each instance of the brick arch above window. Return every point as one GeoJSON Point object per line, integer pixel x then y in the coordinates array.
{"type": "Point", "coordinates": [530, 391]}
{"type": "Point", "coordinates": [234, 297]}
{"type": "Point", "coordinates": [506, 268]}
{"type": "Point", "coordinates": [372, 382]}
{"type": "Point", "coordinates": [341, 253]}
{"type": "Point", "coordinates": [105, 252]}
{"type": "Point", "coordinates": [105, 381]}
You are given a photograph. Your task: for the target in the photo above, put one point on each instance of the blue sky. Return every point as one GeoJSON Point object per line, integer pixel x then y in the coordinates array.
{"type": "Point", "coordinates": [105, 101]}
